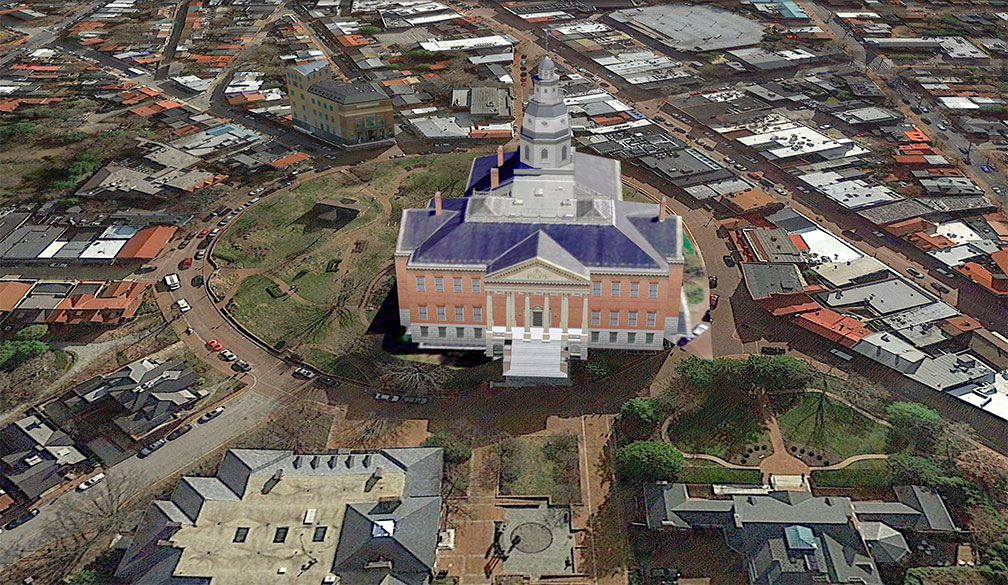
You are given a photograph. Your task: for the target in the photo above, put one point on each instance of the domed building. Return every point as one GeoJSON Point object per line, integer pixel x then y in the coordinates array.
{"type": "Point", "coordinates": [540, 260]}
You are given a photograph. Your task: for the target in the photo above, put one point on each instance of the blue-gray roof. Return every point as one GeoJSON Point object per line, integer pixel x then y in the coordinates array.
{"type": "Point", "coordinates": [460, 242]}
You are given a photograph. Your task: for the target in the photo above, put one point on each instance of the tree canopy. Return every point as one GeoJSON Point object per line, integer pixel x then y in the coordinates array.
{"type": "Point", "coordinates": [455, 450]}
{"type": "Point", "coordinates": [913, 425]}
{"type": "Point", "coordinates": [647, 461]}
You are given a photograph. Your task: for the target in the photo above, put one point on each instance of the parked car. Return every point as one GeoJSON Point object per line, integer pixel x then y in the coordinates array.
{"type": "Point", "coordinates": [21, 519]}
{"type": "Point", "coordinates": [182, 305]}
{"type": "Point", "coordinates": [204, 233]}
{"type": "Point", "coordinates": [714, 300]}
{"type": "Point", "coordinates": [209, 416]}
{"type": "Point", "coordinates": [944, 272]}
{"type": "Point", "coordinates": [227, 355]}
{"type": "Point", "coordinates": [147, 268]}
{"type": "Point", "coordinates": [214, 345]}
{"type": "Point", "coordinates": [728, 260]}
{"type": "Point", "coordinates": [304, 373]}
{"type": "Point", "coordinates": [712, 281]}
{"type": "Point", "coordinates": [200, 254]}
{"type": "Point", "coordinates": [241, 366]}
{"type": "Point", "coordinates": [90, 482]}
{"type": "Point", "coordinates": [213, 233]}
{"type": "Point", "coordinates": [253, 200]}
{"type": "Point", "coordinates": [700, 329]}
{"type": "Point", "coordinates": [771, 350]}
{"type": "Point", "coordinates": [387, 397]}
{"type": "Point", "coordinates": [940, 287]}
{"type": "Point", "coordinates": [179, 432]}
{"type": "Point", "coordinates": [151, 448]}
{"type": "Point", "coordinates": [197, 280]}
{"type": "Point", "coordinates": [416, 399]}
{"type": "Point", "coordinates": [914, 272]}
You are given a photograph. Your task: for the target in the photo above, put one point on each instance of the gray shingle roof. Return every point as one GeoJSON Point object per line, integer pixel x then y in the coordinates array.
{"type": "Point", "coordinates": [348, 93]}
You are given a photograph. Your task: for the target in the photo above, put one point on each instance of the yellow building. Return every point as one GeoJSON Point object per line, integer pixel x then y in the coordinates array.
{"type": "Point", "coordinates": [338, 111]}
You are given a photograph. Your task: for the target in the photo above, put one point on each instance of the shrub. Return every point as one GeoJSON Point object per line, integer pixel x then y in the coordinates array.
{"type": "Point", "coordinates": [913, 425]}
{"type": "Point", "coordinates": [455, 450]}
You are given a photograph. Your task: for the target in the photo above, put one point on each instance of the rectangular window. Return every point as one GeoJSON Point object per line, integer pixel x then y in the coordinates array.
{"type": "Point", "coordinates": [280, 535]}
{"type": "Point", "coordinates": [478, 332]}
{"type": "Point", "coordinates": [631, 337]}
{"type": "Point", "coordinates": [614, 289]}
{"type": "Point", "coordinates": [596, 318]}
{"type": "Point", "coordinates": [438, 284]}
{"type": "Point", "coordinates": [442, 332]}
{"type": "Point", "coordinates": [422, 312]}
{"type": "Point", "coordinates": [596, 289]}
{"type": "Point", "coordinates": [478, 314]}
{"type": "Point", "coordinates": [442, 314]}
{"type": "Point", "coordinates": [594, 336]}
{"type": "Point", "coordinates": [613, 337]}
{"type": "Point", "coordinates": [460, 332]}
{"type": "Point", "coordinates": [240, 534]}
{"type": "Point", "coordinates": [457, 284]}
{"type": "Point", "coordinates": [460, 313]}
{"type": "Point", "coordinates": [632, 319]}
{"type": "Point", "coordinates": [651, 317]}
{"type": "Point", "coordinates": [424, 331]}
{"type": "Point", "coordinates": [652, 290]}
{"type": "Point", "coordinates": [476, 286]}
{"type": "Point", "coordinates": [649, 338]}
{"type": "Point", "coordinates": [634, 289]}
{"type": "Point", "coordinates": [421, 283]}
{"type": "Point", "coordinates": [613, 318]}
{"type": "Point", "coordinates": [319, 534]}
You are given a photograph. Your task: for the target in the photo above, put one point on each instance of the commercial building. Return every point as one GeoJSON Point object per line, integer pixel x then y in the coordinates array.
{"type": "Point", "coordinates": [541, 259]}
{"type": "Point", "coordinates": [338, 111]}
{"type": "Point", "coordinates": [280, 517]}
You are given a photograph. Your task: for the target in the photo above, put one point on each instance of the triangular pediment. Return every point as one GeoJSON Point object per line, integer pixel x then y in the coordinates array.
{"type": "Point", "coordinates": [536, 270]}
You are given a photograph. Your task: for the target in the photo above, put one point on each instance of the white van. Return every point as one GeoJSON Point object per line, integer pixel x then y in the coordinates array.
{"type": "Point", "coordinates": [171, 281]}
{"type": "Point", "coordinates": [183, 305]}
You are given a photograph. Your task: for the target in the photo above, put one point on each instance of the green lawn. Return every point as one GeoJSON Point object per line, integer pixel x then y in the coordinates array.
{"type": "Point", "coordinates": [720, 426]}
{"type": "Point", "coordinates": [275, 319]}
{"type": "Point", "coordinates": [541, 466]}
{"type": "Point", "coordinates": [282, 227]}
{"type": "Point", "coordinates": [816, 421]}
{"type": "Point", "coordinates": [873, 473]}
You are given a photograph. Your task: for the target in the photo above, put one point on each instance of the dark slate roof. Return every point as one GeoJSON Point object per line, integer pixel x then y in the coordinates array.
{"type": "Point", "coordinates": [479, 173]}
{"type": "Point", "coordinates": [410, 547]}
{"type": "Point", "coordinates": [929, 503]}
{"type": "Point", "coordinates": [668, 242]}
{"type": "Point", "coordinates": [482, 242]}
{"type": "Point", "coordinates": [346, 92]}
{"type": "Point", "coordinates": [790, 220]}
{"type": "Point", "coordinates": [538, 245]}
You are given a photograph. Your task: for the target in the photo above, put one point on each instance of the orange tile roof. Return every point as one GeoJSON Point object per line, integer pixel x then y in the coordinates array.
{"type": "Point", "coordinates": [828, 323]}
{"type": "Point", "coordinates": [799, 242]}
{"type": "Point", "coordinates": [11, 293]}
{"type": "Point", "coordinates": [289, 160]}
{"type": "Point", "coordinates": [962, 323]}
{"type": "Point", "coordinates": [982, 276]}
{"type": "Point", "coordinates": [147, 243]}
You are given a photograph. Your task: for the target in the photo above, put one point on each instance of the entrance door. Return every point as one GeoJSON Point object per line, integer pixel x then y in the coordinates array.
{"type": "Point", "coordinates": [537, 318]}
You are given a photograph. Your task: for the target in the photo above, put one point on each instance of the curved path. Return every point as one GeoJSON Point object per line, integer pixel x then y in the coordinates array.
{"type": "Point", "coordinates": [853, 459]}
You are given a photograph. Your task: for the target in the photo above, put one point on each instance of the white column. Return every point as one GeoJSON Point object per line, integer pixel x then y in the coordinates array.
{"type": "Point", "coordinates": [489, 312]}
{"type": "Point", "coordinates": [546, 315]}
{"type": "Point", "coordinates": [563, 311]}
{"type": "Point", "coordinates": [528, 309]}
{"type": "Point", "coordinates": [584, 317]}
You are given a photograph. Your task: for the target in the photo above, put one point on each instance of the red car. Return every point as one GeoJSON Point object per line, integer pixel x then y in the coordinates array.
{"type": "Point", "coordinates": [713, 301]}
{"type": "Point", "coordinates": [203, 233]}
{"type": "Point", "coordinates": [214, 345]}
{"type": "Point", "coordinates": [185, 263]}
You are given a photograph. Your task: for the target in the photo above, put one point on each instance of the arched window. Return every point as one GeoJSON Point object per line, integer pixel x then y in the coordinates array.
{"type": "Point", "coordinates": [545, 154]}
{"type": "Point", "coordinates": [563, 153]}
{"type": "Point", "coordinates": [528, 155]}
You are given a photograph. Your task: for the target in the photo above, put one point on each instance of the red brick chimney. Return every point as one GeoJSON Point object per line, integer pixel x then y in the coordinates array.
{"type": "Point", "coordinates": [494, 178]}
{"type": "Point", "coordinates": [500, 156]}
{"type": "Point", "coordinates": [661, 208]}
{"type": "Point", "coordinates": [437, 203]}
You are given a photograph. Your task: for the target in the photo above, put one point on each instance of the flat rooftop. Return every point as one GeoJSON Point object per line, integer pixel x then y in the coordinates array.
{"type": "Point", "coordinates": [692, 28]}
